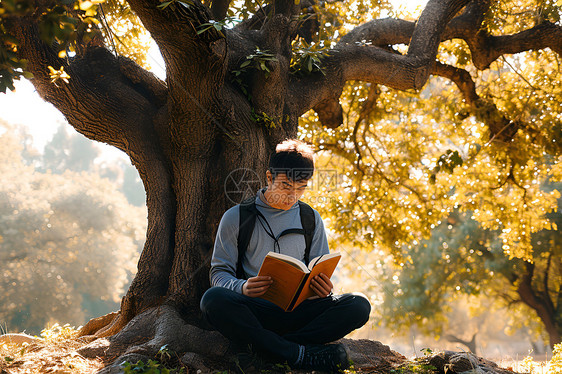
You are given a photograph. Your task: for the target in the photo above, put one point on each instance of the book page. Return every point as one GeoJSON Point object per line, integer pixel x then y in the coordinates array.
{"type": "Point", "coordinates": [286, 281]}
{"type": "Point", "coordinates": [289, 260]}
{"type": "Point", "coordinates": [321, 258]}
{"type": "Point", "coordinates": [326, 266]}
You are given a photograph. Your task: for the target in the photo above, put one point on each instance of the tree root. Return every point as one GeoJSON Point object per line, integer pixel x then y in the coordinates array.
{"type": "Point", "coordinates": [146, 335]}
{"type": "Point", "coordinates": [372, 355]}
{"type": "Point", "coordinates": [96, 324]}
{"type": "Point", "coordinates": [109, 324]}
{"type": "Point", "coordinates": [458, 362]}
{"type": "Point", "coordinates": [116, 324]}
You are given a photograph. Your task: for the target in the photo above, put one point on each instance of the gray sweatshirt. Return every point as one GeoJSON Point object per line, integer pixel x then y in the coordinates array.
{"type": "Point", "coordinates": [225, 253]}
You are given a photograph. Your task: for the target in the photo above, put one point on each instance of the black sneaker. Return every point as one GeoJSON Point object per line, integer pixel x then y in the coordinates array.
{"type": "Point", "coordinates": [331, 358]}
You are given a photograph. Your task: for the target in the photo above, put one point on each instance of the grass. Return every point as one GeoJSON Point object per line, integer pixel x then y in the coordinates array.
{"type": "Point", "coordinates": [53, 352]}
{"type": "Point", "coordinates": [532, 366]}
{"type": "Point", "coordinates": [554, 366]}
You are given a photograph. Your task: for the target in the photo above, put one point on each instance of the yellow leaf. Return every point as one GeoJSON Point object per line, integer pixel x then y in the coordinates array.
{"type": "Point", "coordinates": [57, 75]}
{"type": "Point", "coordinates": [91, 12]}
{"type": "Point", "coordinates": [85, 5]}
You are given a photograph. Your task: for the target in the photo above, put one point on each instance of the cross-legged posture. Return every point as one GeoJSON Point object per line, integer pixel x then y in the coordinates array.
{"type": "Point", "coordinates": [275, 220]}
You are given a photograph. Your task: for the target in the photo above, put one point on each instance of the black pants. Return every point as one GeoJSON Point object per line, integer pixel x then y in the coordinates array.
{"type": "Point", "coordinates": [267, 327]}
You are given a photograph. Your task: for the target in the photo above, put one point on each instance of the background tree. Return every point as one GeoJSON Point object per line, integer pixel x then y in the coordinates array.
{"type": "Point", "coordinates": [462, 258]}
{"type": "Point", "coordinates": [65, 152]}
{"type": "Point", "coordinates": [231, 93]}
{"type": "Point", "coordinates": [68, 243]}
{"type": "Point", "coordinates": [72, 152]}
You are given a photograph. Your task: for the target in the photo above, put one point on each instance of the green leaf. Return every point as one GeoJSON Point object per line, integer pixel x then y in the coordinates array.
{"type": "Point", "coordinates": [165, 4]}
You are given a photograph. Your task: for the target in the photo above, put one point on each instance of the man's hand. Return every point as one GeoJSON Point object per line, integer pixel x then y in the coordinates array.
{"type": "Point", "coordinates": [256, 286]}
{"type": "Point", "coordinates": [321, 285]}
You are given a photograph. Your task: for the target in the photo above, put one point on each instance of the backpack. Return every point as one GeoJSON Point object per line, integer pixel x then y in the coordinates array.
{"type": "Point", "coordinates": [248, 214]}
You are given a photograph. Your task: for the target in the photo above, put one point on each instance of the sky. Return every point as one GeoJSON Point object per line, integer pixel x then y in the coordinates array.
{"type": "Point", "coordinates": [25, 107]}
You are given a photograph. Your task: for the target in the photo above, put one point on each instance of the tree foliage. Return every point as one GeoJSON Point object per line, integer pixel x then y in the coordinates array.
{"type": "Point", "coordinates": [68, 242]}
{"type": "Point", "coordinates": [462, 258]}
{"type": "Point", "coordinates": [481, 138]}
{"type": "Point", "coordinates": [409, 164]}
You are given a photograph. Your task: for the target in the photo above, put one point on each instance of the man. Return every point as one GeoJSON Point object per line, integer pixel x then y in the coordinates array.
{"type": "Point", "coordinates": [233, 305]}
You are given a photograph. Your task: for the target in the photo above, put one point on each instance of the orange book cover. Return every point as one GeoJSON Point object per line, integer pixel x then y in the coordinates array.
{"type": "Point", "coordinates": [291, 277]}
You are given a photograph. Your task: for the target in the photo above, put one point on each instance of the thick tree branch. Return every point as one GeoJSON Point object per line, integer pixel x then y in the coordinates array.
{"type": "Point", "coordinates": [428, 33]}
{"type": "Point", "coordinates": [381, 32]}
{"type": "Point", "coordinates": [156, 89]}
{"type": "Point", "coordinates": [330, 112]}
{"type": "Point", "coordinates": [288, 8]}
{"type": "Point", "coordinates": [353, 59]}
{"type": "Point", "coordinates": [307, 27]}
{"type": "Point", "coordinates": [354, 62]}
{"type": "Point", "coordinates": [195, 54]}
{"type": "Point", "coordinates": [358, 58]}
{"type": "Point", "coordinates": [486, 49]}
{"type": "Point", "coordinates": [188, 51]}
{"type": "Point", "coordinates": [257, 20]}
{"type": "Point", "coordinates": [501, 127]}
{"type": "Point", "coordinates": [219, 9]}
{"type": "Point", "coordinates": [83, 100]}
{"type": "Point", "coordinates": [176, 21]}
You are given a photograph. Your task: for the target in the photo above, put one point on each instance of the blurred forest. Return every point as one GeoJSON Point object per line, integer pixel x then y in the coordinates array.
{"type": "Point", "coordinates": [70, 232]}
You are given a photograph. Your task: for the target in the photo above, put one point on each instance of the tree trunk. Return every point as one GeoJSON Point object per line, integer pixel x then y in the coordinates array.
{"type": "Point", "coordinates": [541, 304]}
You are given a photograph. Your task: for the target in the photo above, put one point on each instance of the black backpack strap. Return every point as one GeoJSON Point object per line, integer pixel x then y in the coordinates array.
{"type": "Point", "coordinates": [247, 221]}
{"type": "Point", "coordinates": [308, 221]}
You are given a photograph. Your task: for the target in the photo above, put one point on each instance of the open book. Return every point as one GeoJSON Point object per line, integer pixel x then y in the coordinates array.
{"type": "Point", "coordinates": [291, 277]}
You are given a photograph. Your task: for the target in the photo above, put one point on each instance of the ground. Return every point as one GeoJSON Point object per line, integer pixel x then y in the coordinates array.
{"type": "Point", "coordinates": [60, 350]}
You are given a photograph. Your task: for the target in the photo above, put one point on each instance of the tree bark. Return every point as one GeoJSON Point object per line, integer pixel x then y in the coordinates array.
{"type": "Point", "coordinates": [544, 307]}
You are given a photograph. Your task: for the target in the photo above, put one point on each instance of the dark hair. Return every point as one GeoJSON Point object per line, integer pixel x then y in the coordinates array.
{"type": "Point", "coordinates": [293, 158]}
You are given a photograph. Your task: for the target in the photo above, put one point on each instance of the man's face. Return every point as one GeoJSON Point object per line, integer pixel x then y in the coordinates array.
{"type": "Point", "coordinates": [283, 193]}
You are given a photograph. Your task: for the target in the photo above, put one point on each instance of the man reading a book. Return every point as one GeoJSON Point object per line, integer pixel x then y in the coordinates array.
{"type": "Point", "coordinates": [233, 305]}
